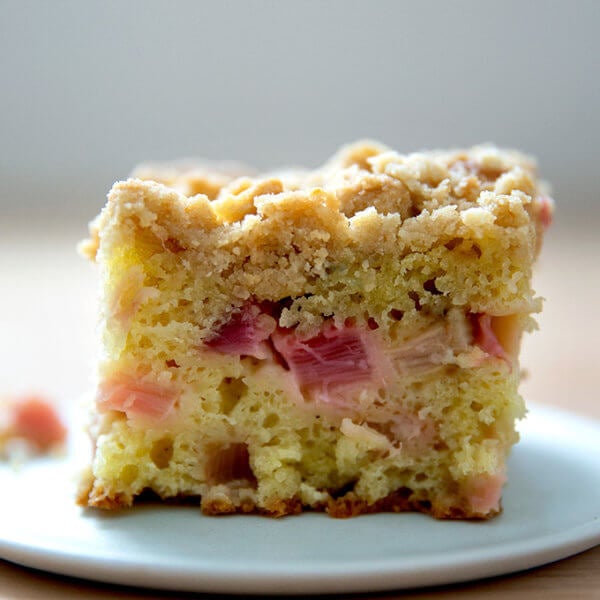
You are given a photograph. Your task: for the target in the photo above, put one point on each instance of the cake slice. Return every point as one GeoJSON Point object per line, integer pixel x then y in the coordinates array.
{"type": "Point", "coordinates": [344, 339]}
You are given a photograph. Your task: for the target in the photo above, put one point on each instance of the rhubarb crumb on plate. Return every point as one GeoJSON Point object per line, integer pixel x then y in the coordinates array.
{"type": "Point", "coordinates": [30, 426]}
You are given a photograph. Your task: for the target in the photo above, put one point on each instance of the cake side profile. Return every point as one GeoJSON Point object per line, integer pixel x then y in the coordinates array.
{"type": "Point", "coordinates": [344, 339]}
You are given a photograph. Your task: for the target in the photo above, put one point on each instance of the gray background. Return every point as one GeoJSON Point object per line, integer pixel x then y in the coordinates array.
{"type": "Point", "coordinates": [91, 88]}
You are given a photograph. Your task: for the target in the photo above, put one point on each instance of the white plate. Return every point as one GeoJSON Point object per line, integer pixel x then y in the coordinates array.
{"type": "Point", "coordinates": [551, 511]}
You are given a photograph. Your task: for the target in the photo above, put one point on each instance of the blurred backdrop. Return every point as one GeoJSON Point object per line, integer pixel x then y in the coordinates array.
{"type": "Point", "coordinates": [91, 88]}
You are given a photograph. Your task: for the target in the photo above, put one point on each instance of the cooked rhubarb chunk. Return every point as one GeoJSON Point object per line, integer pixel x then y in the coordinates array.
{"type": "Point", "coordinates": [244, 333]}
{"type": "Point", "coordinates": [332, 361]}
{"type": "Point", "coordinates": [32, 420]}
{"type": "Point", "coordinates": [137, 399]}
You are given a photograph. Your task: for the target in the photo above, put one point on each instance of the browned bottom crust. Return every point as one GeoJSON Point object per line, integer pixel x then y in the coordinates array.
{"type": "Point", "coordinates": [401, 500]}
{"type": "Point", "coordinates": [348, 505]}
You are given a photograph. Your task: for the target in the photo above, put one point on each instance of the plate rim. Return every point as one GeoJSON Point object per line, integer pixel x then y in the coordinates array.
{"type": "Point", "coordinates": [359, 575]}
{"type": "Point", "coordinates": [472, 565]}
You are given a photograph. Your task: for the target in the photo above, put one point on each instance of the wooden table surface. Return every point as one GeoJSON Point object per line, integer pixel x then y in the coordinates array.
{"type": "Point", "coordinates": [47, 334]}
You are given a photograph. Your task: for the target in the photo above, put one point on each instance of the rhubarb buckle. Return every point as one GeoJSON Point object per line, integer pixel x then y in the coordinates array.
{"type": "Point", "coordinates": [343, 340]}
